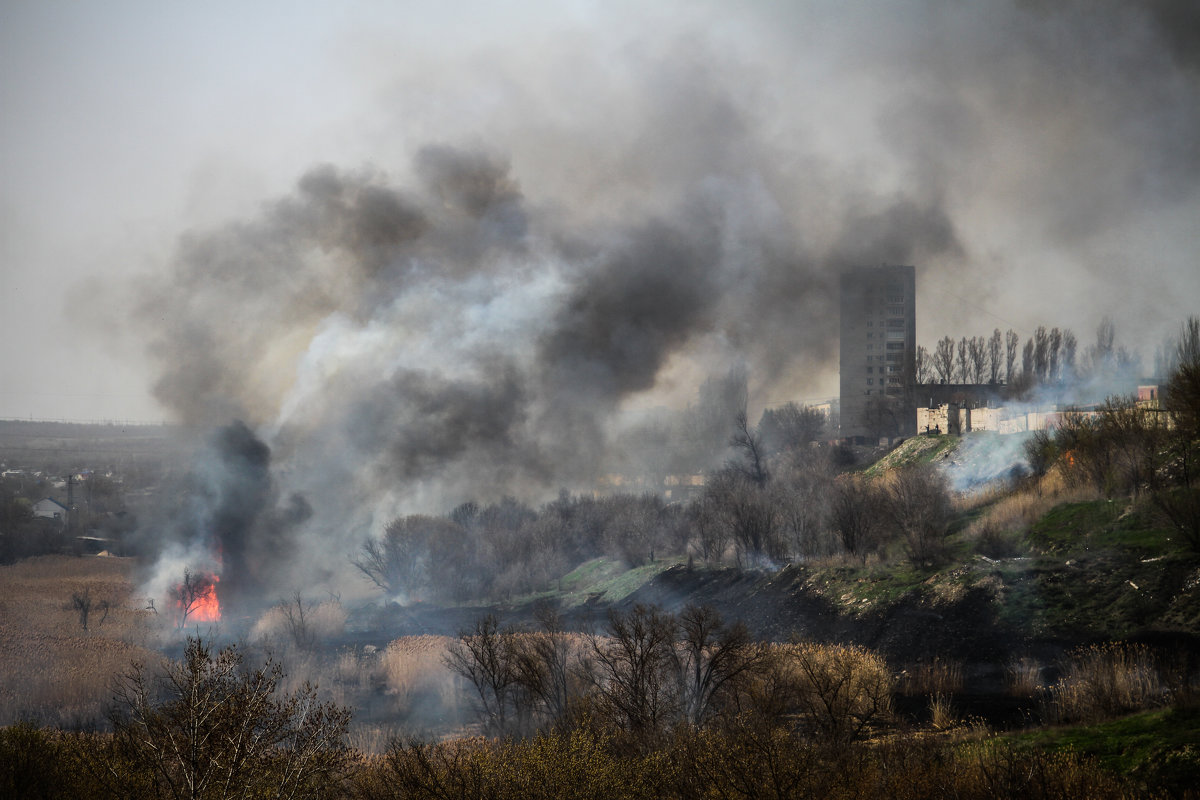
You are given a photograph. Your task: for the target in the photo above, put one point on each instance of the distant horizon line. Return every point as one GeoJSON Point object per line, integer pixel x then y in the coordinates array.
{"type": "Point", "coordinates": [98, 421]}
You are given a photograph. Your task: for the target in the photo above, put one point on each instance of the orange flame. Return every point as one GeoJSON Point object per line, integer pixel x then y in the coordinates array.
{"type": "Point", "coordinates": [196, 599]}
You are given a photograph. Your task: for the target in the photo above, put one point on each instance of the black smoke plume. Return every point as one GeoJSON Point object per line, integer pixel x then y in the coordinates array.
{"type": "Point", "coordinates": [614, 226]}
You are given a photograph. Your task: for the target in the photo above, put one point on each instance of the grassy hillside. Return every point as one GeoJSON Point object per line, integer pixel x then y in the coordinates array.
{"type": "Point", "coordinates": [916, 450]}
{"type": "Point", "coordinates": [1157, 747]}
{"type": "Point", "coordinates": [1028, 563]}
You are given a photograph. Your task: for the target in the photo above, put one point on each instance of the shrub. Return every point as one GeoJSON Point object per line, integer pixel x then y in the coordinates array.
{"type": "Point", "coordinates": [839, 691]}
{"type": "Point", "coordinates": [36, 763]}
{"type": "Point", "coordinates": [575, 764]}
{"type": "Point", "coordinates": [203, 726]}
{"type": "Point", "coordinates": [993, 769]}
{"type": "Point", "coordinates": [917, 501]}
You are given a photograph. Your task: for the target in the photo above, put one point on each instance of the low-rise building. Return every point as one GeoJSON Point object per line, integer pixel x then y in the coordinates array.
{"type": "Point", "coordinates": [49, 509]}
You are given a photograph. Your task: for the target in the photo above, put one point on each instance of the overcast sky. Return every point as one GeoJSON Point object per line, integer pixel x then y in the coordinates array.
{"type": "Point", "coordinates": [1039, 162]}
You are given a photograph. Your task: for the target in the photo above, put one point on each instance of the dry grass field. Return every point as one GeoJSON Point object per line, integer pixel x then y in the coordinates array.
{"type": "Point", "coordinates": [52, 671]}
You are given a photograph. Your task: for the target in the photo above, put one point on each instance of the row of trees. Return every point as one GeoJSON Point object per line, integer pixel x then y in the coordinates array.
{"type": "Point", "coordinates": [1049, 357]}
{"type": "Point", "coordinates": [652, 671]}
{"type": "Point", "coordinates": [779, 498]}
{"type": "Point", "coordinates": [210, 728]}
{"type": "Point", "coordinates": [756, 510]}
{"type": "Point", "coordinates": [1126, 448]}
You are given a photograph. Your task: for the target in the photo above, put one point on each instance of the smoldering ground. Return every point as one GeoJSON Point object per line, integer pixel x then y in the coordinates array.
{"type": "Point", "coordinates": [604, 224]}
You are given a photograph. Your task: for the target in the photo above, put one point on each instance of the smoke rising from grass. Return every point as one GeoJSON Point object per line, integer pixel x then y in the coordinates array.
{"type": "Point", "coordinates": [609, 222]}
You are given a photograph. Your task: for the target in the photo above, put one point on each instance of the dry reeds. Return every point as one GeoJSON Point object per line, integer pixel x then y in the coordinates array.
{"type": "Point", "coordinates": [936, 677]}
{"type": "Point", "coordinates": [300, 623]}
{"type": "Point", "coordinates": [1024, 677]}
{"type": "Point", "coordinates": [1104, 681]}
{"type": "Point", "coordinates": [941, 712]}
{"type": "Point", "coordinates": [51, 669]}
{"type": "Point", "coordinates": [1000, 533]}
{"type": "Point", "coordinates": [413, 666]}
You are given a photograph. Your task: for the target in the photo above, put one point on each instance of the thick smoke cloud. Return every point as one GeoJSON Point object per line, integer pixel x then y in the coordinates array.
{"type": "Point", "coordinates": [226, 519]}
{"type": "Point", "coordinates": [566, 236]}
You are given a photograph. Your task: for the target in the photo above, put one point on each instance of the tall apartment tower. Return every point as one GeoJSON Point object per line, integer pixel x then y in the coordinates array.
{"type": "Point", "coordinates": [878, 351]}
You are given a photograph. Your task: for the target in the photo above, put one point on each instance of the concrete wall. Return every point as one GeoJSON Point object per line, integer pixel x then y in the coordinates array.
{"type": "Point", "coordinates": [984, 419]}
{"type": "Point", "coordinates": [950, 418]}
{"type": "Point", "coordinates": [941, 419]}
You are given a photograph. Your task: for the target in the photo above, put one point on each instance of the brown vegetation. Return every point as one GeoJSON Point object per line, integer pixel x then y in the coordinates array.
{"type": "Point", "coordinates": [52, 669]}
{"type": "Point", "coordinates": [1104, 681]}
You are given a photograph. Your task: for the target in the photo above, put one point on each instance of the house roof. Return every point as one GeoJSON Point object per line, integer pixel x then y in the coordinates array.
{"type": "Point", "coordinates": [42, 505]}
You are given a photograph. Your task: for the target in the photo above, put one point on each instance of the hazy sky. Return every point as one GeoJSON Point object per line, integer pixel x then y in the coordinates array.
{"type": "Point", "coordinates": [1039, 162]}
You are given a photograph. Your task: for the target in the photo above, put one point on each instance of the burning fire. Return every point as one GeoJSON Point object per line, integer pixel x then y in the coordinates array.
{"type": "Point", "coordinates": [196, 598]}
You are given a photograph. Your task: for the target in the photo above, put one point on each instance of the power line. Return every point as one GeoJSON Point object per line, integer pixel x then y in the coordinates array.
{"type": "Point", "coordinates": [980, 308]}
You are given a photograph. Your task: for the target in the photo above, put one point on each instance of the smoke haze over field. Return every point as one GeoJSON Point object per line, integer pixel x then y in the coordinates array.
{"type": "Point", "coordinates": [430, 255]}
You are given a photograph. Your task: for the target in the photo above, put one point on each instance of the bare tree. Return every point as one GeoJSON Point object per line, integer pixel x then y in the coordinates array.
{"type": "Point", "coordinates": [1175, 482]}
{"type": "Point", "coordinates": [881, 416]}
{"type": "Point", "coordinates": [918, 503]}
{"type": "Point", "coordinates": [841, 691]}
{"type": "Point", "coordinates": [943, 360]}
{"type": "Point", "coordinates": [1041, 353]}
{"type": "Point", "coordinates": [547, 669]}
{"type": "Point", "coordinates": [749, 444]}
{"type": "Point", "coordinates": [1069, 345]}
{"type": "Point", "coordinates": [789, 427]}
{"type": "Point", "coordinates": [854, 514]}
{"type": "Point", "coordinates": [963, 362]}
{"type": "Point", "coordinates": [1053, 346]}
{"type": "Point", "coordinates": [748, 513]}
{"type": "Point", "coordinates": [712, 534]}
{"type": "Point", "coordinates": [1135, 438]}
{"type": "Point", "coordinates": [1011, 341]}
{"type": "Point", "coordinates": [486, 657]}
{"type": "Point", "coordinates": [414, 555]}
{"type": "Point", "coordinates": [802, 492]}
{"type": "Point", "coordinates": [1182, 399]}
{"type": "Point", "coordinates": [714, 660]}
{"type": "Point", "coordinates": [977, 353]}
{"type": "Point", "coordinates": [636, 678]}
{"type": "Point", "coordinates": [1103, 351]}
{"type": "Point", "coordinates": [923, 364]}
{"type": "Point", "coordinates": [398, 562]}
{"type": "Point", "coordinates": [205, 727]}
{"type": "Point", "coordinates": [1028, 374]}
{"type": "Point", "coordinates": [191, 594]}
{"type": "Point", "coordinates": [995, 356]}
{"type": "Point", "coordinates": [296, 613]}
{"type": "Point", "coordinates": [1092, 459]}
{"type": "Point", "coordinates": [82, 603]}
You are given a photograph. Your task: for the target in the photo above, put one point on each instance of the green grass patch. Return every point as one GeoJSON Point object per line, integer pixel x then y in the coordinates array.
{"type": "Point", "coordinates": [1105, 569]}
{"type": "Point", "coordinates": [861, 589]}
{"type": "Point", "coordinates": [1105, 595]}
{"type": "Point", "coordinates": [1070, 527]}
{"type": "Point", "coordinates": [606, 579]}
{"type": "Point", "coordinates": [1094, 525]}
{"type": "Point", "coordinates": [630, 581]}
{"type": "Point", "coordinates": [1159, 747]}
{"type": "Point", "coordinates": [588, 574]}
{"type": "Point", "coordinates": [916, 450]}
